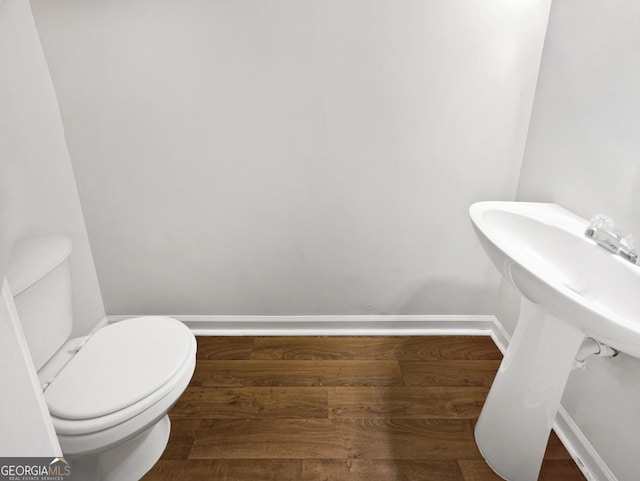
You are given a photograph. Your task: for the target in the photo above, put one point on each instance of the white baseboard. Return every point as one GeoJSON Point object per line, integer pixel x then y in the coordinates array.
{"type": "Point", "coordinates": [584, 454]}
{"type": "Point", "coordinates": [103, 322]}
{"type": "Point", "coordinates": [581, 450]}
{"type": "Point", "coordinates": [335, 325]}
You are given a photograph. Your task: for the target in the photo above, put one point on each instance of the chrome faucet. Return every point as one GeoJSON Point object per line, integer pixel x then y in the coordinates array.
{"type": "Point", "coordinates": [601, 231]}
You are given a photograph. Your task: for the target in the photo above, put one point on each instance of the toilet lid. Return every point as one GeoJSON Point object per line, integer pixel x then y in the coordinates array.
{"type": "Point", "coordinates": [119, 365]}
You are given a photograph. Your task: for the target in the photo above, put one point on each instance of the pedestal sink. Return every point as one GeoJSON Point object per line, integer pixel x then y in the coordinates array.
{"type": "Point", "coordinates": [571, 289]}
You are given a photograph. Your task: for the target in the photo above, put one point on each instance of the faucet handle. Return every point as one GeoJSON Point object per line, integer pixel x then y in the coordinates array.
{"type": "Point", "coordinates": [602, 222]}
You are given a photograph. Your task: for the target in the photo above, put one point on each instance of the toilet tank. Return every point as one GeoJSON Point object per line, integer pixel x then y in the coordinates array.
{"type": "Point", "coordinates": [39, 278]}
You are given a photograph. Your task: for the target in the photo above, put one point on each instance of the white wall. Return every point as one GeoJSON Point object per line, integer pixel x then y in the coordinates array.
{"type": "Point", "coordinates": [583, 153]}
{"type": "Point", "coordinates": [37, 187]}
{"type": "Point", "coordinates": [292, 157]}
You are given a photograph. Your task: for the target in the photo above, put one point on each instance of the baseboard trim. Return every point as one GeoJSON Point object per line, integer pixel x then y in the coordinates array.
{"type": "Point", "coordinates": [335, 325]}
{"type": "Point", "coordinates": [103, 322]}
{"type": "Point", "coordinates": [584, 454]}
{"type": "Point", "coordinates": [581, 450]}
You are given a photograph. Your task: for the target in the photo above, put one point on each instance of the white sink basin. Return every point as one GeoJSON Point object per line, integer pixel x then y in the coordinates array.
{"type": "Point", "coordinates": [542, 250]}
{"type": "Point", "coordinates": [571, 288]}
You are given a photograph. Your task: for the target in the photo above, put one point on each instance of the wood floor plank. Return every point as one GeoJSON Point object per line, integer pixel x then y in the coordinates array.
{"type": "Point", "coordinates": [413, 439]}
{"type": "Point", "coordinates": [181, 437]}
{"type": "Point", "coordinates": [551, 470]}
{"type": "Point", "coordinates": [252, 402]}
{"type": "Point", "coordinates": [555, 448]}
{"type": "Point", "coordinates": [380, 470]}
{"type": "Point", "coordinates": [331, 438]}
{"type": "Point", "coordinates": [264, 439]}
{"type": "Point", "coordinates": [297, 373]}
{"type": "Point", "coordinates": [224, 347]}
{"type": "Point", "coordinates": [407, 402]}
{"type": "Point", "coordinates": [226, 470]}
{"type": "Point", "coordinates": [334, 409]}
{"type": "Point", "coordinates": [477, 470]}
{"type": "Point", "coordinates": [560, 470]}
{"type": "Point", "coordinates": [449, 373]}
{"type": "Point", "coordinates": [392, 348]}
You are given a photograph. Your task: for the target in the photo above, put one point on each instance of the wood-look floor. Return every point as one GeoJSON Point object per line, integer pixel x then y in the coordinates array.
{"type": "Point", "coordinates": [337, 408]}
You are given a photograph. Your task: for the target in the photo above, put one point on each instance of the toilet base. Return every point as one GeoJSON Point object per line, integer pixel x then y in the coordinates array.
{"type": "Point", "coordinates": [128, 461]}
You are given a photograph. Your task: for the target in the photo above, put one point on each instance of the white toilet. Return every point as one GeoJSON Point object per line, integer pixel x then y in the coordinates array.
{"type": "Point", "coordinates": [108, 393]}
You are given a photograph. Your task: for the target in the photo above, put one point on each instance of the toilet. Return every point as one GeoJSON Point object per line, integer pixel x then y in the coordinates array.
{"type": "Point", "coordinates": [108, 393]}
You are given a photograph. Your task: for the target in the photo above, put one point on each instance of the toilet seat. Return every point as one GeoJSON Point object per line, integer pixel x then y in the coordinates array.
{"type": "Point", "coordinates": [122, 370]}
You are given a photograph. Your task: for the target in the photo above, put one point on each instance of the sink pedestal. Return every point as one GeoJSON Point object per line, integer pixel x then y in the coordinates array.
{"type": "Point", "coordinates": [514, 425]}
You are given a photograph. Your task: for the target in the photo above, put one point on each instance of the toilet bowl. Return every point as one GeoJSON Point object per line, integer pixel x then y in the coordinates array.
{"type": "Point", "coordinates": [108, 394]}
